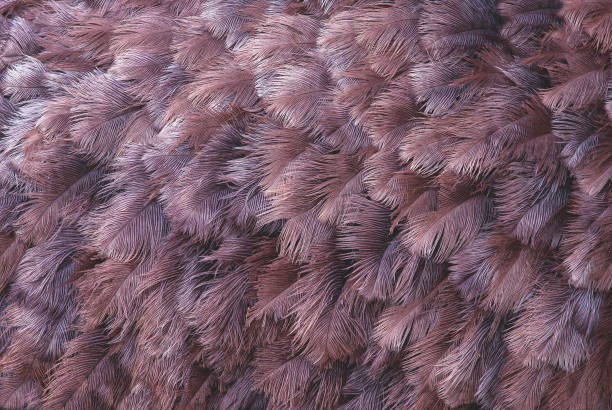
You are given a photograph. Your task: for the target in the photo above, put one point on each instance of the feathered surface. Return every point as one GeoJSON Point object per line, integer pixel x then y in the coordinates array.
{"type": "Point", "coordinates": [352, 204]}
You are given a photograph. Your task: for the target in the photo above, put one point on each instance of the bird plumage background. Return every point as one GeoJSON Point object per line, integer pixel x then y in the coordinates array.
{"type": "Point", "coordinates": [355, 204]}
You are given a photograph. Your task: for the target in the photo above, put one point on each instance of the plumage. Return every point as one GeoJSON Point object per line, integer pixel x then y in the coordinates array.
{"type": "Point", "coordinates": [326, 204]}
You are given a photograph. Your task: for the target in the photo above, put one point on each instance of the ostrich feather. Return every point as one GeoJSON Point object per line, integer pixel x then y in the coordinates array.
{"type": "Point", "coordinates": [375, 267]}
{"type": "Point", "coordinates": [585, 249]}
{"type": "Point", "coordinates": [281, 376]}
{"type": "Point", "coordinates": [449, 27]}
{"type": "Point", "coordinates": [326, 326]}
{"type": "Point", "coordinates": [525, 22]}
{"type": "Point", "coordinates": [437, 234]}
{"type": "Point", "coordinates": [594, 17]}
{"type": "Point", "coordinates": [85, 358]}
{"type": "Point", "coordinates": [326, 204]}
{"type": "Point", "coordinates": [53, 202]}
{"type": "Point", "coordinates": [24, 81]}
{"type": "Point", "coordinates": [90, 131]}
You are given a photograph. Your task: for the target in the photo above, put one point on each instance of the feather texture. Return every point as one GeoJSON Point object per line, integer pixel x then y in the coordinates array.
{"type": "Point", "coordinates": [326, 204]}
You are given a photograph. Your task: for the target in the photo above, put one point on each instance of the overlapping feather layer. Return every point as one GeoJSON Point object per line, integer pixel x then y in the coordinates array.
{"type": "Point", "coordinates": [322, 204]}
